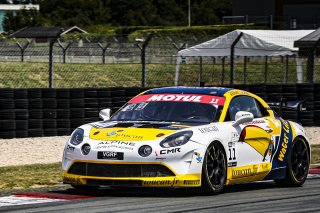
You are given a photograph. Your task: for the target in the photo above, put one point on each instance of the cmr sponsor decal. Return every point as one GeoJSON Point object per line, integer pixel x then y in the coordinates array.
{"type": "Point", "coordinates": [196, 98]}
{"type": "Point", "coordinates": [168, 151]}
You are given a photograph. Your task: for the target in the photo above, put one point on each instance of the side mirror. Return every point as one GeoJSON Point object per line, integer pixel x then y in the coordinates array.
{"type": "Point", "coordinates": [105, 114]}
{"type": "Point", "coordinates": [242, 117]}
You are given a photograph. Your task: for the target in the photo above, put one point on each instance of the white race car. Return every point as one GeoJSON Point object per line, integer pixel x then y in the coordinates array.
{"type": "Point", "coordinates": [205, 137]}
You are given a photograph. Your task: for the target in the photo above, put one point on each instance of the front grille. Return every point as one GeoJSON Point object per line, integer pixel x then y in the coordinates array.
{"type": "Point", "coordinates": [120, 170]}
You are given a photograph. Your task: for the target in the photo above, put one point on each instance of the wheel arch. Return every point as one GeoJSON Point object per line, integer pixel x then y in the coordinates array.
{"type": "Point", "coordinates": [221, 144]}
{"type": "Point", "coordinates": [307, 143]}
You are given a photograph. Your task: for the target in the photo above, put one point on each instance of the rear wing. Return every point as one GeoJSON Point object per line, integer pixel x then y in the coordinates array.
{"type": "Point", "coordinates": [296, 105]}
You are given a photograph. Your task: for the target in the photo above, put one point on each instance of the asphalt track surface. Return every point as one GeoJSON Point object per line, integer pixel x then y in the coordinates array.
{"type": "Point", "coordinates": [253, 197]}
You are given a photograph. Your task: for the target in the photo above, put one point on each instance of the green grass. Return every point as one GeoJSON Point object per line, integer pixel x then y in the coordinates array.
{"type": "Point", "coordinates": [48, 175]}
{"type": "Point", "coordinates": [315, 154]}
{"type": "Point", "coordinates": [79, 75]}
{"type": "Point", "coordinates": [30, 176]}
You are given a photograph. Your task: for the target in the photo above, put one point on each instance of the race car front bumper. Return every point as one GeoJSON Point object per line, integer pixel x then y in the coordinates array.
{"type": "Point", "coordinates": [127, 174]}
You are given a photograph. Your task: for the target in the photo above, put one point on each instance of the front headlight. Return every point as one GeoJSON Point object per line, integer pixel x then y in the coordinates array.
{"type": "Point", "coordinates": [77, 136]}
{"type": "Point", "coordinates": [176, 139]}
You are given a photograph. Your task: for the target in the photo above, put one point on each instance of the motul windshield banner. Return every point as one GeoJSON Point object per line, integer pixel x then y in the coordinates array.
{"type": "Point", "coordinates": [196, 98]}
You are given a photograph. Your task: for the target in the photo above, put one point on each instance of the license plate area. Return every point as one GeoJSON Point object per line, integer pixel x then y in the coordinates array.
{"type": "Point", "coordinates": [110, 155]}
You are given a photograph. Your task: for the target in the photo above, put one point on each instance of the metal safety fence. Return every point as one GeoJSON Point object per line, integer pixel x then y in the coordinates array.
{"type": "Point", "coordinates": [149, 61]}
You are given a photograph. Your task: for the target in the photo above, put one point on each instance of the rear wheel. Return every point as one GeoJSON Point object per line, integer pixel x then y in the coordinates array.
{"type": "Point", "coordinates": [214, 169]}
{"type": "Point", "coordinates": [297, 165]}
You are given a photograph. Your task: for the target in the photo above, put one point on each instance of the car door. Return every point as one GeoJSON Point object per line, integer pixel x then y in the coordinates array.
{"type": "Point", "coordinates": [250, 143]}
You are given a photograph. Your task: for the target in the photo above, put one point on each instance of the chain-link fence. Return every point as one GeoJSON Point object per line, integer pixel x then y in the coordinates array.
{"type": "Point", "coordinates": [149, 62]}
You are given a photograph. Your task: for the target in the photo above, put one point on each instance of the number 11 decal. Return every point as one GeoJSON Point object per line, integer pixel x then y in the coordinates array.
{"type": "Point", "coordinates": [232, 150]}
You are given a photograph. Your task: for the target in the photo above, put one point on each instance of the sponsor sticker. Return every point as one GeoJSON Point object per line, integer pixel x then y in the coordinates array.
{"type": "Point", "coordinates": [234, 136]}
{"type": "Point", "coordinates": [232, 164]}
{"type": "Point", "coordinates": [70, 148]}
{"type": "Point", "coordinates": [255, 122]}
{"type": "Point", "coordinates": [198, 157]}
{"type": "Point", "coordinates": [284, 145]}
{"type": "Point", "coordinates": [191, 182]}
{"type": "Point", "coordinates": [110, 155]}
{"type": "Point", "coordinates": [167, 151]}
{"type": "Point", "coordinates": [209, 129]}
{"type": "Point", "coordinates": [116, 145]}
{"type": "Point", "coordinates": [206, 99]}
{"type": "Point", "coordinates": [159, 182]}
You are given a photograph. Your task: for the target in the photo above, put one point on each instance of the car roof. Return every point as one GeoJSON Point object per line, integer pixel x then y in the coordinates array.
{"type": "Point", "coordinates": [217, 91]}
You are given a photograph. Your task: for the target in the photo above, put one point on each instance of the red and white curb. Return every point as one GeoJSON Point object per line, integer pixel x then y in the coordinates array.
{"type": "Point", "coordinates": [37, 197]}
{"type": "Point", "coordinates": [314, 172]}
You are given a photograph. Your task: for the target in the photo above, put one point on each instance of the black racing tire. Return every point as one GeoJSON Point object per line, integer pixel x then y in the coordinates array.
{"type": "Point", "coordinates": [50, 132]}
{"type": "Point", "coordinates": [298, 163]}
{"type": "Point", "coordinates": [90, 93]}
{"type": "Point", "coordinates": [63, 93]}
{"type": "Point", "coordinates": [34, 93]}
{"type": "Point", "coordinates": [76, 93]}
{"type": "Point", "coordinates": [63, 131]}
{"type": "Point", "coordinates": [258, 88]}
{"type": "Point", "coordinates": [77, 103]}
{"type": "Point", "coordinates": [103, 92]}
{"type": "Point", "coordinates": [49, 103]}
{"type": "Point", "coordinates": [63, 103]}
{"type": "Point", "coordinates": [20, 93]}
{"type": "Point", "coordinates": [48, 93]}
{"type": "Point", "coordinates": [214, 169]}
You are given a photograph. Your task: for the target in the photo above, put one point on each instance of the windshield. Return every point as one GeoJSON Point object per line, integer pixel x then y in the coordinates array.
{"type": "Point", "coordinates": [183, 108]}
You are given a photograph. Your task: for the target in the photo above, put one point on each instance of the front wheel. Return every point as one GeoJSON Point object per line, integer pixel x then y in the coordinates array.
{"type": "Point", "coordinates": [214, 169]}
{"type": "Point", "coordinates": [297, 165]}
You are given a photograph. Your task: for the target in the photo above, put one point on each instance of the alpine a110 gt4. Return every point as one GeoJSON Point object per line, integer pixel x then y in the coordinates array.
{"type": "Point", "coordinates": [205, 137]}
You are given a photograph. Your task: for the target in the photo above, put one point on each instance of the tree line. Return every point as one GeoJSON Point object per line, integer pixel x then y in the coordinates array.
{"type": "Point", "coordinates": [116, 13]}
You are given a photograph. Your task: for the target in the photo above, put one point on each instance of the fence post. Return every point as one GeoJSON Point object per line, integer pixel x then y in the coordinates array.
{"type": "Point", "coordinates": [310, 62]}
{"type": "Point", "coordinates": [104, 50]}
{"type": "Point", "coordinates": [232, 56]}
{"type": "Point", "coordinates": [64, 49]}
{"type": "Point", "coordinates": [271, 22]}
{"type": "Point", "coordinates": [244, 70]}
{"type": "Point", "coordinates": [265, 69]}
{"type": "Point", "coordinates": [51, 79]}
{"type": "Point", "coordinates": [200, 72]}
{"type": "Point", "coordinates": [223, 70]}
{"type": "Point", "coordinates": [22, 49]}
{"type": "Point", "coordinates": [287, 69]}
{"type": "Point", "coordinates": [143, 58]}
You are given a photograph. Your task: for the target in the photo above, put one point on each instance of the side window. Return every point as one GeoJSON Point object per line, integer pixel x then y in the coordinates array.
{"type": "Point", "coordinates": [244, 103]}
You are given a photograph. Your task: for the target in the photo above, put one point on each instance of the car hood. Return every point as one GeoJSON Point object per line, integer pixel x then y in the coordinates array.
{"type": "Point", "coordinates": [132, 131]}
